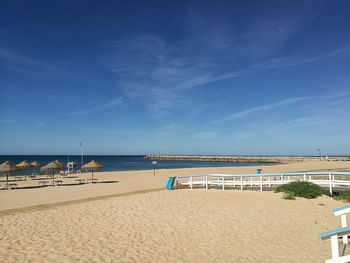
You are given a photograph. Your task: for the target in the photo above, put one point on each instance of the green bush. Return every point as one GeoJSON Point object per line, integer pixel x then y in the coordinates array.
{"type": "Point", "coordinates": [288, 196]}
{"type": "Point", "coordinates": [345, 196]}
{"type": "Point", "coordinates": [301, 189]}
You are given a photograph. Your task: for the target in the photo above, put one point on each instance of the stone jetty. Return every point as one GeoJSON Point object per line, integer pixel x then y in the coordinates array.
{"type": "Point", "coordinates": [244, 159]}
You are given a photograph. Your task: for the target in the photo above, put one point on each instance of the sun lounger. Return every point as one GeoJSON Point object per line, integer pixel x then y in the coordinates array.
{"type": "Point", "coordinates": [81, 181]}
{"type": "Point", "coordinates": [59, 182]}
{"type": "Point", "coordinates": [93, 180]}
{"type": "Point", "coordinates": [334, 235]}
{"type": "Point", "coordinates": [44, 183]}
{"type": "Point", "coordinates": [12, 186]}
{"type": "Point", "coordinates": [19, 178]}
{"type": "Point", "coordinates": [2, 186]}
{"type": "Point", "coordinates": [342, 211]}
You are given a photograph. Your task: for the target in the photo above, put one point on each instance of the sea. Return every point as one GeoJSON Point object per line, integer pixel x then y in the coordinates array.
{"type": "Point", "coordinates": [121, 162]}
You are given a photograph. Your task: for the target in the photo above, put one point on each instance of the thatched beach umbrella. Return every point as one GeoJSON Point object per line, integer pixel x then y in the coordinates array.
{"type": "Point", "coordinates": [93, 165]}
{"type": "Point", "coordinates": [60, 164]}
{"type": "Point", "coordinates": [8, 167]}
{"type": "Point", "coordinates": [24, 165]}
{"type": "Point", "coordinates": [52, 166]}
{"type": "Point", "coordinates": [36, 164]}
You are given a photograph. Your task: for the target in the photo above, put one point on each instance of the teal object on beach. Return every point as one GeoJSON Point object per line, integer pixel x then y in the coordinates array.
{"type": "Point", "coordinates": [258, 171]}
{"type": "Point", "coordinates": [170, 183]}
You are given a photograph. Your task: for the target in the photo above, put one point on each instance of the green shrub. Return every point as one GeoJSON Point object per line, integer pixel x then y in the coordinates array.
{"type": "Point", "coordinates": [301, 189]}
{"type": "Point", "coordinates": [345, 196]}
{"type": "Point", "coordinates": [288, 196]}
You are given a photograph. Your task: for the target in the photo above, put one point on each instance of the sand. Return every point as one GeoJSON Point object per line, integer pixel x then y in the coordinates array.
{"type": "Point", "coordinates": [136, 220]}
{"type": "Point", "coordinates": [173, 226]}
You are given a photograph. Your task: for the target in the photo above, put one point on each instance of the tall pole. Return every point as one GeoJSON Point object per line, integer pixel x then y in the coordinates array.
{"type": "Point", "coordinates": [154, 163]}
{"type": "Point", "coordinates": [82, 153]}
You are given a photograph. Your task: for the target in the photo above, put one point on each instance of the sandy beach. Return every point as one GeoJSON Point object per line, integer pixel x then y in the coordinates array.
{"type": "Point", "coordinates": [173, 226]}
{"type": "Point", "coordinates": [136, 220]}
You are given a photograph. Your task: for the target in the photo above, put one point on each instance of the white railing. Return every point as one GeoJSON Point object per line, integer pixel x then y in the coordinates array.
{"type": "Point", "coordinates": [330, 180]}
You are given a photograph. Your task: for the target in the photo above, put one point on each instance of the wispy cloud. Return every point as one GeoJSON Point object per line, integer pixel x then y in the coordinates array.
{"type": "Point", "coordinates": [108, 105]}
{"type": "Point", "coordinates": [155, 72]}
{"type": "Point", "coordinates": [266, 107]}
{"type": "Point", "coordinates": [327, 116]}
{"type": "Point", "coordinates": [160, 74]}
{"type": "Point", "coordinates": [313, 103]}
{"type": "Point", "coordinates": [280, 63]}
{"type": "Point", "coordinates": [24, 64]}
{"type": "Point", "coordinates": [171, 129]}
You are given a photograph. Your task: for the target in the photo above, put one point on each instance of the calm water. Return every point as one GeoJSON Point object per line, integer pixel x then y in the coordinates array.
{"type": "Point", "coordinates": [120, 162]}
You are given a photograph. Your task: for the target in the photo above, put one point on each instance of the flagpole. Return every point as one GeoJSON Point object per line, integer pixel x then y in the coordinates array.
{"type": "Point", "coordinates": [82, 153]}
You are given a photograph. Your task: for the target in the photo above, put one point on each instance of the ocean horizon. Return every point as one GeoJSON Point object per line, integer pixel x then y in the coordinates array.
{"type": "Point", "coordinates": [123, 162]}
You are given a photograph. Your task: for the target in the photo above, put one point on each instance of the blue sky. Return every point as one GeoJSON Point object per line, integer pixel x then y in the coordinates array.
{"type": "Point", "coordinates": [198, 77]}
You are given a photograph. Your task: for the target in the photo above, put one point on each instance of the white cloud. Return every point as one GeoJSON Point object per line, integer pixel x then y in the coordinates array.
{"type": "Point", "coordinates": [108, 105]}
{"type": "Point", "coordinates": [171, 129]}
{"type": "Point", "coordinates": [160, 74]}
{"type": "Point", "coordinates": [266, 107]}
{"type": "Point", "coordinates": [316, 103]}
{"type": "Point", "coordinates": [20, 63]}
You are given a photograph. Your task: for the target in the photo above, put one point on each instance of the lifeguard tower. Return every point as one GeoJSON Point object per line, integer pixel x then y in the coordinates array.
{"type": "Point", "coordinates": [70, 167]}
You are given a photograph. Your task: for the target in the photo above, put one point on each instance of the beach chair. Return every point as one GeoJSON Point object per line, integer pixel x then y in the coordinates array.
{"type": "Point", "coordinates": [2, 186]}
{"type": "Point", "coordinates": [81, 181]}
{"type": "Point", "coordinates": [94, 180]}
{"type": "Point", "coordinates": [59, 182]}
{"type": "Point", "coordinates": [342, 211]}
{"type": "Point", "coordinates": [43, 183]}
{"type": "Point", "coordinates": [12, 186]}
{"type": "Point", "coordinates": [334, 236]}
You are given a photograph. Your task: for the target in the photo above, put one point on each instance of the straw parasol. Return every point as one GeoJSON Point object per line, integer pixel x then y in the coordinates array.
{"type": "Point", "coordinates": [52, 166]}
{"type": "Point", "coordinates": [8, 167]}
{"type": "Point", "coordinates": [36, 164]}
{"type": "Point", "coordinates": [60, 164]}
{"type": "Point", "coordinates": [24, 165]}
{"type": "Point", "coordinates": [93, 165]}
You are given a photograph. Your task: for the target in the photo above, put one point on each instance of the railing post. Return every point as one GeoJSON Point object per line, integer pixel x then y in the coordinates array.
{"type": "Point", "coordinates": [223, 183]}
{"type": "Point", "coordinates": [206, 182]}
{"type": "Point", "coordinates": [282, 178]}
{"type": "Point", "coordinates": [335, 247]}
{"type": "Point", "coordinates": [343, 224]}
{"type": "Point", "coordinates": [330, 185]}
{"type": "Point", "coordinates": [304, 177]}
{"type": "Point", "coordinates": [241, 183]}
{"type": "Point", "coordinates": [261, 183]}
{"type": "Point", "coordinates": [191, 183]}
{"type": "Point", "coordinates": [269, 181]}
{"type": "Point", "coordinates": [251, 179]}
